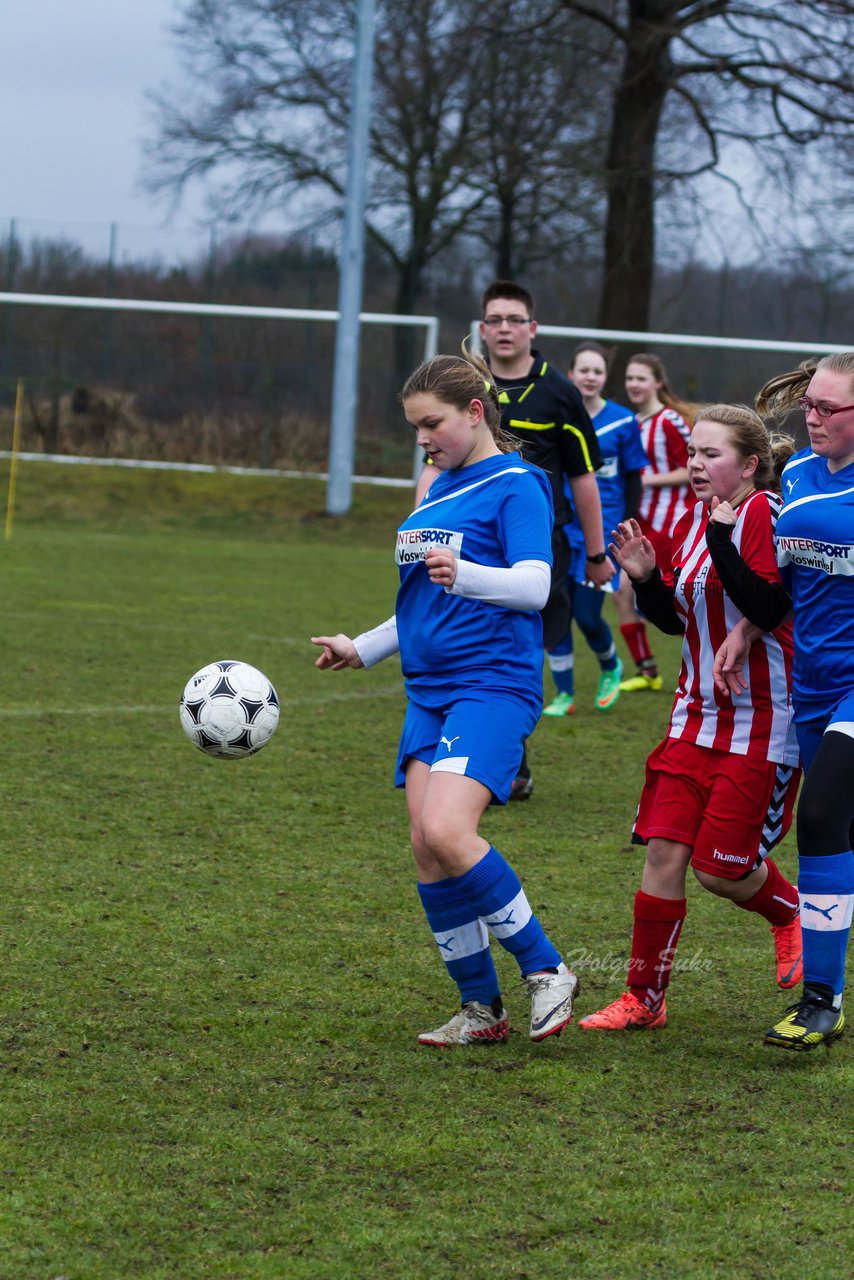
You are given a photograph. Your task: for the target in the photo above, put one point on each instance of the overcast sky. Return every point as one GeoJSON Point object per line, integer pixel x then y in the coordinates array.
{"type": "Point", "coordinates": [72, 106]}
{"type": "Point", "coordinates": [73, 110]}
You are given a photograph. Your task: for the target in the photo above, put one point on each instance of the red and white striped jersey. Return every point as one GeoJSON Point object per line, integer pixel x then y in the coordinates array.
{"type": "Point", "coordinates": [665, 437]}
{"type": "Point", "coordinates": [759, 722]}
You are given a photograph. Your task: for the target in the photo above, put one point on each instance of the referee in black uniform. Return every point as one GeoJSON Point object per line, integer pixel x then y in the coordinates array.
{"type": "Point", "coordinates": [546, 414]}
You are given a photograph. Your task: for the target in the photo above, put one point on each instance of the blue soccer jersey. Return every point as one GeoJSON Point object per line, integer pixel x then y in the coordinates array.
{"type": "Point", "coordinates": [815, 555]}
{"type": "Point", "coordinates": [496, 513]}
{"type": "Point", "coordinates": [619, 438]}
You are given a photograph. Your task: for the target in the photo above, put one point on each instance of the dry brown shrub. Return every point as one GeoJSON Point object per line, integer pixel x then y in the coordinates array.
{"type": "Point", "coordinates": [104, 423]}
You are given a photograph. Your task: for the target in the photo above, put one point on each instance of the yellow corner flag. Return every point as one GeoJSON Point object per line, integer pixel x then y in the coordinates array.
{"type": "Point", "coordinates": [13, 461]}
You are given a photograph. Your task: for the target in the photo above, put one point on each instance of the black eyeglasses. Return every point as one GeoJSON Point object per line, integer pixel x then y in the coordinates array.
{"type": "Point", "coordinates": [823, 410]}
{"type": "Point", "coordinates": [515, 322]}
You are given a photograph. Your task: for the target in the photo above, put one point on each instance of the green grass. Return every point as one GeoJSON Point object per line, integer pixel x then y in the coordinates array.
{"type": "Point", "coordinates": [214, 971]}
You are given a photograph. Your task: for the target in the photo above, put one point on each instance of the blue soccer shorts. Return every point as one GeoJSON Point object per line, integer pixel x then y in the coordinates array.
{"type": "Point", "coordinates": [477, 735]}
{"type": "Point", "coordinates": [812, 723]}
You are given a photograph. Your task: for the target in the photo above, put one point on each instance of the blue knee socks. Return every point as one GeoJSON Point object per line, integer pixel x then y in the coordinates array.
{"type": "Point", "coordinates": [826, 891]}
{"type": "Point", "coordinates": [462, 940]}
{"type": "Point", "coordinates": [494, 893]}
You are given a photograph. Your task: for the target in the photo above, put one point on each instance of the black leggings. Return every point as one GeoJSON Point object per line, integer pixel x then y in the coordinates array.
{"type": "Point", "coordinates": [556, 613]}
{"type": "Point", "coordinates": [826, 804]}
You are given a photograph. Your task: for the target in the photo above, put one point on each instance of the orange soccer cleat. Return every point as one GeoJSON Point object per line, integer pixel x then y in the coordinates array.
{"type": "Point", "coordinates": [627, 1013]}
{"type": "Point", "coordinates": [789, 950]}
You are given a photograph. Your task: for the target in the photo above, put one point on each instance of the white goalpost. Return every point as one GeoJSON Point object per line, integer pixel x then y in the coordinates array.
{"type": "Point", "coordinates": [429, 325]}
{"type": "Point", "coordinates": [673, 339]}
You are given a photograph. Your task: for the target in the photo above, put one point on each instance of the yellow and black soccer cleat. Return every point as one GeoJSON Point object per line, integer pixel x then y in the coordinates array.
{"type": "Point", "coordinates": [812, 1021]}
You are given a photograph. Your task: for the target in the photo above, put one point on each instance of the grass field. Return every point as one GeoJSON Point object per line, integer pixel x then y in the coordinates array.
{"type": "Point", "coordinates": [214, 971]}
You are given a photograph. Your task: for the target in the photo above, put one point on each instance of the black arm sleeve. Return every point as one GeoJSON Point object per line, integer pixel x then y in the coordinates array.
{"type": "Point", "coordinates": [633, 495]}
{"type": "Point", "coordinates": [763, 603]}
{"type": "Point", "coordinates": [655, 601]}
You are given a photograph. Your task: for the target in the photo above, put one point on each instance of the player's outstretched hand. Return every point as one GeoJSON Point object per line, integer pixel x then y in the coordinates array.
{"type": "Point", "coordinates": [441, 566]}
{"type": "Point", "coordinates": [632, 551]}
{"type": "Point", "coordinates": [338, 652]}
{"type": "Point", "coordinates": [722, 512]}
{"type": "Point", "coordinates": [728, 671]}
{"type": "Point", "coordinates": [599, 575]}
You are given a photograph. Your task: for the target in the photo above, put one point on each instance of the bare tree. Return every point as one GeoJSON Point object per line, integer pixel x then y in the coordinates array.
{"type": "Point", "coordinates": [477, 122]}
{"type": "Point", "coordinates": [526, 128]}
{"type": "Point", "coordinates": [545, 128]}
{"type": "Point", "coordinates": [697, 80]}
{"type": "Point", "coordinates": [267, 118]}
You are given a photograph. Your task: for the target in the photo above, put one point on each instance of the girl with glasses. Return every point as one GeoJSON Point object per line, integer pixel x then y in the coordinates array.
{"type": "Point", "coordinates": [720, 788]}
{"type": "Point", "coordinates": [815, 554]}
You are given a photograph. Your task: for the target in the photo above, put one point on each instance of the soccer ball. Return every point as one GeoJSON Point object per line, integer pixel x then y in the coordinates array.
{"type": "Point", "coordinates": [229, 709]}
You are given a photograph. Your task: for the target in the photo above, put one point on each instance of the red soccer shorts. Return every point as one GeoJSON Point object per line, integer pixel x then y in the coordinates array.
{"type": "Point", "coordinates": [731, 810]}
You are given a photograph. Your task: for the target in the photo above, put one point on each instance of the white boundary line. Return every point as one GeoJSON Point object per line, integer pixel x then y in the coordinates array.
{"type": "Point", "coordinates": [145, 464]}
{"type": "Point", "coordinates": [355, 695]}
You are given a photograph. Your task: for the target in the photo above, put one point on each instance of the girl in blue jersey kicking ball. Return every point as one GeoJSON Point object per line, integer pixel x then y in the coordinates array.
{"type": "Point", "coordinates": [815, 554]}
{"type": "Point", "coordinates": [475, 568]}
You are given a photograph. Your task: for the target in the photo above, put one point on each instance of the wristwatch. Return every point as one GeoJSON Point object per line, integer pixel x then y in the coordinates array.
{"type": "Point", "coordinates": [599, 558]}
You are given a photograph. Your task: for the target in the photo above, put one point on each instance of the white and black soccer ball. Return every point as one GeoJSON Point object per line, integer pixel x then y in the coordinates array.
{"type": "Point", "coordinates": [229, 709]}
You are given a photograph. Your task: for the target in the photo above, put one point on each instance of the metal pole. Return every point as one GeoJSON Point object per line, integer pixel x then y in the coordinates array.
{"type": "Point", "coordinates": [206, 336]}
{"type": "Point", "coordinates": [431, 348]}
{"type": "Point", "coordinates": [345, 383]}
{"type": "Point", "coordinates": [13, 459]}
{"type": "Point", "coordinates": [107, 356]}
{"type": "Point", "coordinates": [11, 263]}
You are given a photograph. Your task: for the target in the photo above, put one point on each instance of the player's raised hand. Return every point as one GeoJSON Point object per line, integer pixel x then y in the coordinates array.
{"type": "Point", "coordinates": [441, 566]}
{"type": "Point", "coordinates": [722, 512]}
{"type": "Point", "coordinates": [338, 652]}
{"type": "Point", "coordinates": [632, 551]}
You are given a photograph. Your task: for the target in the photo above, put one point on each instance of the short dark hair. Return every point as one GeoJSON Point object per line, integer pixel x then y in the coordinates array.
{"type": "Point", "coordinates": [507, 289]}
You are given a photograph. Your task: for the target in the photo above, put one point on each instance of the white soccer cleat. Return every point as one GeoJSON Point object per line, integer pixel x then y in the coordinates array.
{"type": "Point", "coordinates": [474, 1024]}
{"type": "Point", "coordinates": [551, 995]}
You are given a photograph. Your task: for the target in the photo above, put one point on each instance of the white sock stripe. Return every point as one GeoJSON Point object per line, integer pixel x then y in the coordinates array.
{"type": "Point", "coordinates": [510, 919]}
{"type": "Point", "coordinates": [655, 995]}
{"type": "Point", "coordinates": [466, 940]}
{"type": "Point", "coordinates": [826, 912]}
{"type": "Point", "coordinates": [672, 940]}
